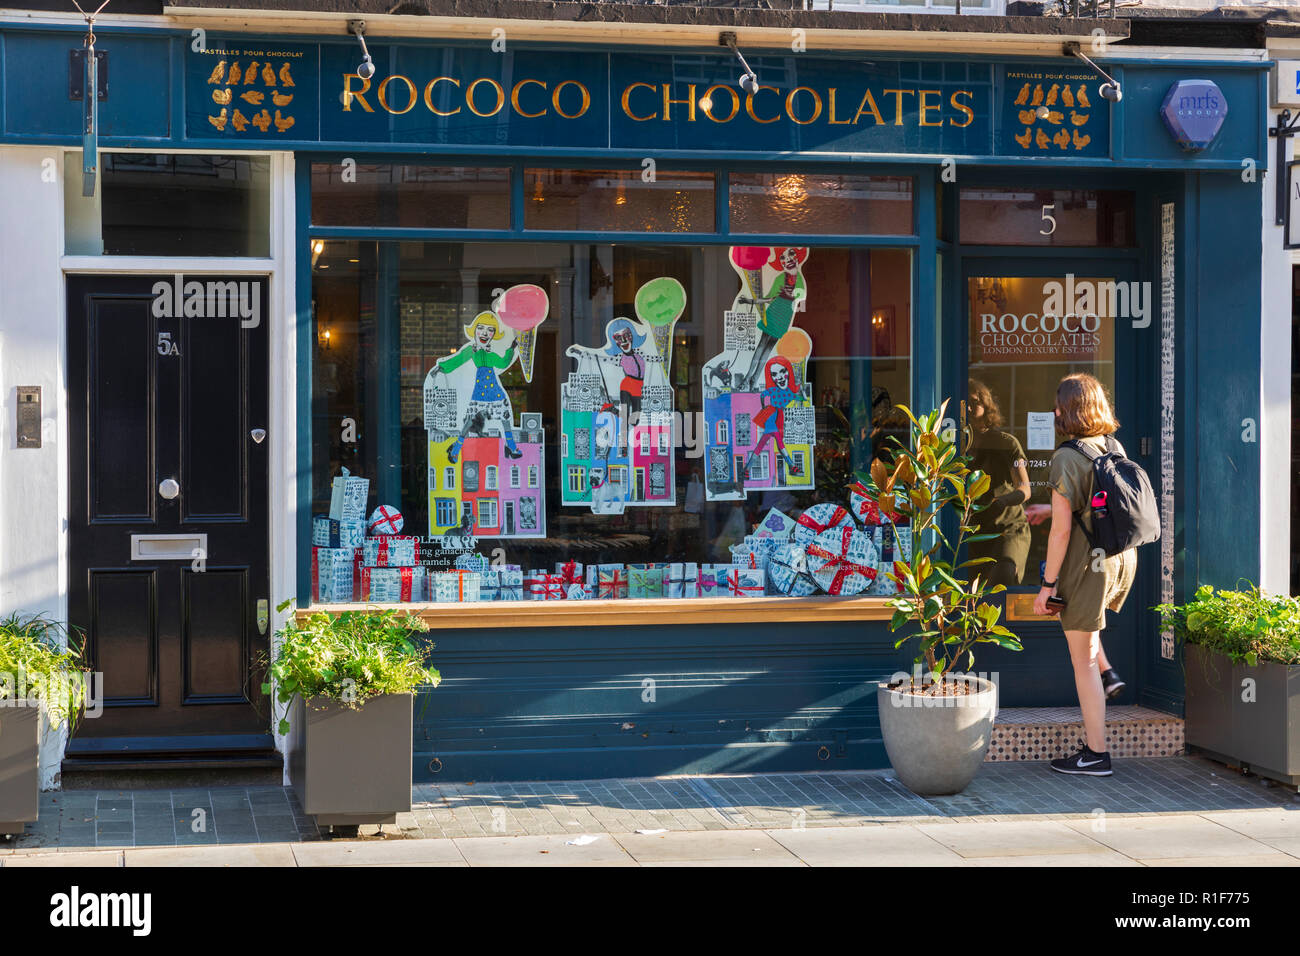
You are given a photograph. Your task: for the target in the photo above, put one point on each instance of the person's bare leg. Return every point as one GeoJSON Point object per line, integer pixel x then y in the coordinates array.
{"type": "Point", "coordinates": [1087, 681]}
{"type": "Point", "coordinates": [1102, 664]}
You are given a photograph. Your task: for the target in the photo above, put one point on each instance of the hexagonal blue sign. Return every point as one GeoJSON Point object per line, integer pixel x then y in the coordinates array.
{"type": "Point", "coordinates": [1194, 111]}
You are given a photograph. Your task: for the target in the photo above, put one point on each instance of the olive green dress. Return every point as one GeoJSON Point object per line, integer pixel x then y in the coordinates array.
{"type": "Point", "coordinates": [1088, 592]}
{"type": "Point", "coordinates": [999, 455]}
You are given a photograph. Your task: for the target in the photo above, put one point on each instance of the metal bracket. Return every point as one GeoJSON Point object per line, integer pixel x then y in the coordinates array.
{"type": "Point", "coordinates": [1287, 126]}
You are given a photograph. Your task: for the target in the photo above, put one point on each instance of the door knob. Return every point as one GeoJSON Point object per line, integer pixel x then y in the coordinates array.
{"type": "Point", "coordinates": [168, 488]}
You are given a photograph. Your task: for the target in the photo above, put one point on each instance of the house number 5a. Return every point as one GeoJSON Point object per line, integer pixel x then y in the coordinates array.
{"type": "Point", "coordinates": [166, 346]}
{"type": "Point", "coordinates": [1049, 219]}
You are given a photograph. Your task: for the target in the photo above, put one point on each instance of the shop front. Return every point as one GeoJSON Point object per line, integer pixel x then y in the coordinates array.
{"type": "Point", "coordinates": [574, 351]}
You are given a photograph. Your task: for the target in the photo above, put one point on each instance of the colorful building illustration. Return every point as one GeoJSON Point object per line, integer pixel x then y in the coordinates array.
{"type": "Point", "coordinates": [486, 492]}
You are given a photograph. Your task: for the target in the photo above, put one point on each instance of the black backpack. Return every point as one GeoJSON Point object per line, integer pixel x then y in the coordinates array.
{"type": "Point", "coordinates": [1123, 506]}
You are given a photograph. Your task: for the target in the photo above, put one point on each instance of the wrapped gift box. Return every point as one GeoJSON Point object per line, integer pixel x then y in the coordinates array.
{"type": "Point", "coordinates": [893, 543]}
{"type": "Point", "coordinates": [843, 561]}
{"type": "Point", "coordinates": [324, 531]}
{"type": "Point", "coordinates": [611, 581]}
{"type": "Point", "coordinates": [333, 575]}
{"type": "Point", "coordinates": [472, 562]}
{"type": "Point", "coordinates": [754, 552]}
{"type": "Point", "coordinates": [542, 585]}
{"type": "Point", "coordinates": [458, 587]}
{"type": "Point", "coordinates": [577, 592]}
{"type": "Point", "coordinates": [391, 551]}
{"type": "Point", "coordinates": [819, 518]}
{"type": "Point", "coordinates": [713, 579]}
{"type": "Point", "coordinates": [510, 580]}
{"type": "Point", "coordinates": [787, 572]}
{"type": "Point", "coordinates": [865, 509]}
{"type": "Point", "coordinates": [776, 525]}
{"type": "Point", "coordinates": [645, 581]}
{"type": "Point", "coordinates": [348, 495]}
{"type": "Point", "coordinates": [682, 580]}
{"type": "Point", "coordinates": [744, 582]}
{"type": "Point", "coordinates": [571, 573]}
{"type": "Point", "coordinates": [394, 585]}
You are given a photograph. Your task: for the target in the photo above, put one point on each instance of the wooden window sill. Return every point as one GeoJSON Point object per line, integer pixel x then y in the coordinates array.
{"type": "Point", "coordinates": [625, 613]}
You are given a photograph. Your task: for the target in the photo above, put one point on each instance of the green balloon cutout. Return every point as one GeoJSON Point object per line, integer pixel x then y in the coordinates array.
{"type": "Point", "coordinates": [660, 301]}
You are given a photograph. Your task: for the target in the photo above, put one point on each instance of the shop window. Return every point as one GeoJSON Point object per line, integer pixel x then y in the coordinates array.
{"type": "Point", "coordinates": [618, 200]}
{"type": "Point", "coordinates": [803, 203]}
{"type": "Point", "coordinates": [407, 195]}
{"type": "Point", "coordinates": [606, 482]}
{"type": "Point", "coordinates": [1011, 216]}
{"type": "Point", "coordinates": [169, 204]}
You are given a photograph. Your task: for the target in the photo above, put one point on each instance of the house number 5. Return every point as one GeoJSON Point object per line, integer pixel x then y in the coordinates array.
{"type": "Point", "coordinates": [166, 346]}
{"type": "Point", "coordinates": [1048, 218]}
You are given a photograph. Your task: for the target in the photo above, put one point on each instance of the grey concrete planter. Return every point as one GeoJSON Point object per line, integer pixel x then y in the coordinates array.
{"type": "Point", "coordinates": [1261, 735]}
{"type": "Point", "coordinates": [936, 745]}
{"type": "Point", "coordinates": [20, 782]}
{"type": "Point", "coordinates": [350, 767]}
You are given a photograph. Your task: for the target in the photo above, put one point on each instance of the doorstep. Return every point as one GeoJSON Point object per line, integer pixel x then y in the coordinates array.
{"type": "Point", "coordinates": [1044, 733]}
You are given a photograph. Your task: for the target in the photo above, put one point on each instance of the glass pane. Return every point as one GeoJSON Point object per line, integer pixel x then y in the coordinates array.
{"type": "Point", "coordinates": [171, 205]}
{"type": "Point", "coordinates": [1008, 216]}
{"type": "Point", "coordinates": [820, 204]}
{"type": "Point", "coordinates": [430, 197]}
{"type": "Point", "coordinates": [617, 200]}
{"type": "Point", "coordinates": [1021, 346]}
{"type": "Point", "coordinates": [532, 470]}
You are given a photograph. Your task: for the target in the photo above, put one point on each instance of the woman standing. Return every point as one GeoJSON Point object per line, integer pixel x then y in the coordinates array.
{"type": "Point", "coordinates": [1088, 586]}
{"type": "Point", "coordinates": [999, 454]}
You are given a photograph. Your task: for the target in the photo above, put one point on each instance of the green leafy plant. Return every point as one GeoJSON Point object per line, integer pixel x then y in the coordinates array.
{"type": "Point", "coordinates": [39, 661]}
{"type": "Point", "coordinates": [1247, 626]}
{"type": "Point", "coordinates": [349, 657]}
{"type": "Point", "coordinates": [950, 612]}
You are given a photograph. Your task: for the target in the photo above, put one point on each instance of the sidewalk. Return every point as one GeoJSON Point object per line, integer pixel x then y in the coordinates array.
{"type": "Point", "coordinates": [1157, 812]}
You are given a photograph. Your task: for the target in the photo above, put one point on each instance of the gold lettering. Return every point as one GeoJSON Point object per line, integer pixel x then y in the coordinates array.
{"type": "Point", "coordinates": [831, 113]}
{"type": "Point", "coordinates": [735, 103]}
{"type": "Point", "coordinates": [689, 102]}
{"type": "Point", "coordinates": [514, 99]}
{"type": "Point", "coordinates": [898, 104]}
{"type": "Point", "coordinates": [970, 113]}
{"type": "Point", "coordinates": [930, 106]}
{"type": "Point", "coordinates": [817, 105]}
{"type": "Point", "coordinates": [428, 95]}
{"type": "Point", "coordinates": [410, 87]}
{"type": "Point", "coordinates": [868, 105]}
{"type": "Point", "coordinates": [501, 97]}
{"type": "Point", "coordinates": [627, 93]}
{"type": "Point", "coordinates": [749, 105]}
{"type": "Point", "coordinates": [350, 94]}
{"type": "Point", "coordinates": [586, 99]}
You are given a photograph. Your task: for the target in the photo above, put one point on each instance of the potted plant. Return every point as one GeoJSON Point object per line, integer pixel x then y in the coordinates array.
{"type": "Point", "coordinates": [40, 672]}
{"type": "Point", "coordinates": [347, 682]}
{"type": "Point", "coordinates": [937, 722]}
{"type": "Point", "coordinates": [1242, 671]}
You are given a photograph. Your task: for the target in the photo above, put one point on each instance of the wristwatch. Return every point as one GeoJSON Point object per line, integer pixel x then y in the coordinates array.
{"type": "Point", "coordinates": [1048, 584]}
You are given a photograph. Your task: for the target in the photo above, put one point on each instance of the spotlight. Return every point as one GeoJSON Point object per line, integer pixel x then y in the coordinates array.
{"type": "Point", "coordinates": [749, 83]}
{"type": "Point", "coordinates": [1110, 90]}
{"type": "Point", "coordinates": [367, 67]}
{"type": "Point", "coordinates": [1042, 112]}
{"type": "Point", "coordinates": [749, 79]}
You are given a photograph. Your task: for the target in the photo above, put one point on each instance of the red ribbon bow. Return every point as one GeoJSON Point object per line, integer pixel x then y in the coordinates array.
{"type": "Point", "coordinates": [738, 589]}
{"type": "Point", "coordinates": [837, 517]}
{"type": "Point", "coordinates": [869, 509]}
{"type": "Point", "coordinates": [569, 573]}
{"type": "Point", "coordinates": [842, 565]}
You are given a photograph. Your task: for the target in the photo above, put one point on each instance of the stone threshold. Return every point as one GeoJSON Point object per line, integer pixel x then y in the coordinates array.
{"type": "Point", "coordinates": [1044, 733]}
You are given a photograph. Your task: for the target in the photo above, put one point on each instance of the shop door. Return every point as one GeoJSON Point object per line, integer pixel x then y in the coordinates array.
{"type": "Point", "coordinates": [168, 531]}
{"type": "Point", "coordinates": [1029, 322]}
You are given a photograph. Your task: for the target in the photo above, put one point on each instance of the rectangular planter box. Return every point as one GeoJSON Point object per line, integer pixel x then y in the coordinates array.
{"type": "Point", "coordinates": [1261, 734]}
{"type": "Point", "coordinates": [352, 766]}
{"type": "Point", "coordinates": [20, 786]}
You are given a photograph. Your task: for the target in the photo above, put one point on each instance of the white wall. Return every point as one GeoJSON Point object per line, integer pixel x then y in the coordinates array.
{"type": "Point", "coordinates": [1275, 398]}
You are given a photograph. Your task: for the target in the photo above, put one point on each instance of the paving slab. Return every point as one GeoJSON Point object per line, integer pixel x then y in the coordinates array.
{"type": "Point", "coordinates": [273, 854]}
{"type": "Point", "coordinates": [1011, 838]}
{"type": "Point", "coordinates": [723, 847]}
{"type": "Point", "coordinates": [1170, 837]}
{"type": "Point", "coordinates": [1104, 857]}
{"type": "Point", "coordinates": [898, 845]}
{"type": "Point", "coordinates": [387, 852]}
{"type": "Point", "coordinates": [1256, 859]}
{"type": "Point", "coordinates": [545, 850]}
{"type": "Point", "coordinates": [79, 858]}
{"type": "Point", "coordinates": [1274, 824]}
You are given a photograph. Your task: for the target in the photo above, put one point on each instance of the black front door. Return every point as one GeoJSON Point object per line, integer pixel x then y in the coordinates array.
{"type": "Point", "coordinates": [168, 534]}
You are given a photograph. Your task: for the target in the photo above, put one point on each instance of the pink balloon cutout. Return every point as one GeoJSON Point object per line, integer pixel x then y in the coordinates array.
{"type": "Point", "coordinates": [523, 306]}
{"type": "Point", "coordinates": [750, 257]}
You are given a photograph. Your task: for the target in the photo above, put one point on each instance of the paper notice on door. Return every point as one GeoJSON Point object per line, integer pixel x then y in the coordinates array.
{"type": "Point", "coordinates": [1040, 431]}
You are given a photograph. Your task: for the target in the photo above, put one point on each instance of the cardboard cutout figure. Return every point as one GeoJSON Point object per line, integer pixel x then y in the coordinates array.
{"type": "Point", "coordinates": [758, 412]}
{"type": "Point", "coordinates": [486, 474]}
{"type": "Point", "coordinates": [618, 446]}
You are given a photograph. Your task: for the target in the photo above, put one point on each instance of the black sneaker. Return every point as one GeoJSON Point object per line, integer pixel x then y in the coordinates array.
{"type": "Point", "coordinates": [1085, 762]}
{"type": "Point", "coordinates": [1112, 683]}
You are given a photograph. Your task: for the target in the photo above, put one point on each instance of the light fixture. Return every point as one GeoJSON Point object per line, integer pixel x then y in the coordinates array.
{"type": "Point", "coordinates": [791, 189]}
{"type": "Point", "coordinates": [749, 79]}
{"type": "Point", "coordinates": [537, 191]}
{"type": "Point", "coordinates": [1110, 90]}
{"type": "Point", "coordinates": [367, 67]}
{"type": "Point", "coordinates": [620, 195]}
{"type": "Point", "coordinates": [325, 338]}
{"type": "Point", "coordinates": [317, 247]}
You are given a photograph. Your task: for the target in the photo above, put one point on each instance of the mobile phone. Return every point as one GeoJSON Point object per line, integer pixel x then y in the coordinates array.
{"type": "Point", "coordinates": [1055, 605]}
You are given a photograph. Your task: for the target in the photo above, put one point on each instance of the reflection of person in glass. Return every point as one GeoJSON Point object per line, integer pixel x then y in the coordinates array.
{"type": "Point", "coordinates": [999, 455]}
{"type": "Point", "coordinates": [779, 305]}
{"type": "Point", "coordinates": [488, 400]}
{"type": "Point", "coordinates": [781, 390]}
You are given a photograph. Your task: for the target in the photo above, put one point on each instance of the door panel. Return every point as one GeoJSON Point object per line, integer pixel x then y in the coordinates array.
{"type": "Point", "coordinates": [160, 444]}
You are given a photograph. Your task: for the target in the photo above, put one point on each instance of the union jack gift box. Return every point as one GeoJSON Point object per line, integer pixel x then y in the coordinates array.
{"type": "Point", "coordinates": [611, 581]}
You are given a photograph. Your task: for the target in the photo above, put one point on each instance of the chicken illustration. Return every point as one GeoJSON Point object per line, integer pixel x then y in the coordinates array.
{"type": "Point", "coordinates": [282, 123]}
{"type": "Point", "coordinates": [252, 97]}
{"type": "Point", "coordinates": [1078, 119]}
{"type": "Point", "coordinates": [1055, 117]}
{"type": "Point", "coordinates": [281, 99]}
{"type": "Point", "coordinates": [268, 75]}
{"type": "Point", "coordinates": [221, 97]}
{"type": "Point", "coordinates": [285, 78]}
{"type": "Point", "coordinates": [1021, 98]}
{"type": "Point", "coordinates": [235, 74]}
{"type": "Point", "coordinates": [217, 73]}
{"type": "Point", "coordinates": [262, 120]}
{"type": "Point", "coordinates": [1061, 139]}
{"type": "Point", "coordinates": [1038, 96]}
{"type": "Point", "coordinates": [250, 74]}
{"type": "Point", "coordinates": [1042, 140]}
{"type": "Point", "coordinates": [1027, 117]}
{"type": "Point", "coordinates": [1081, 97]}
{"type": "Point", "coordinates": [1051, 94]}
{"type": "Point", "coordinates": [219, 121]}
{"type": "Point", "coordinates": [1023, 139]}
{"type": "Point", "coordinates": [1067, 98]}
{"type": "Point", "coordinates": [239, 121]}
{"type": "Point", "coordinates": [1081, 141]}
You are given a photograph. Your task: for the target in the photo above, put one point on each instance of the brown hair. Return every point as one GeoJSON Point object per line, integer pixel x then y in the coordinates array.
{"type": "Point", "coordinates": [1085, 410]}
{"type": "Point", "coordinates": [978, 392]}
